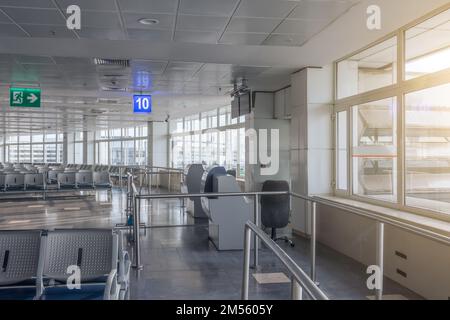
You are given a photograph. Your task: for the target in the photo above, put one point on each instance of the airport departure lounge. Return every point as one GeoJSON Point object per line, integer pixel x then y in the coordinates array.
{"type": "Point", "coordinates": [224, 150]}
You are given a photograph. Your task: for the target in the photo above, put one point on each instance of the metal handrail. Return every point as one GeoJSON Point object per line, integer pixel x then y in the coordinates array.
{"type": "Point", "coordinates": [377, 217]}
{"type": "Point", "coordinates": [212, 194]}
{"type": "Point", "coordinates": [299, 277]}
{"type": "Point", "coordinates": [380, 220]}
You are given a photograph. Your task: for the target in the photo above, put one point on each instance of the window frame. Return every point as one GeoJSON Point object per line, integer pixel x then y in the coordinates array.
{"type": "Point", "coordinates": [400, 89]}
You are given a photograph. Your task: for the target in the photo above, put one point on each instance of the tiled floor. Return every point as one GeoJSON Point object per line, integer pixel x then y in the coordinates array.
{"type": "Point", "coordinates": [180, 263]}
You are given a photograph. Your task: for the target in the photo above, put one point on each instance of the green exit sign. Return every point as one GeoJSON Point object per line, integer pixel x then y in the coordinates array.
{"type": "Point", "coordinates": [25, 97]}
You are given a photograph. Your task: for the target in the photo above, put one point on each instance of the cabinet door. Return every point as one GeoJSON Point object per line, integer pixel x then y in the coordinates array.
{"type": "Point", "coordinates": [287, 103]}
{"type": "Point", "coordinates": [279, 105]}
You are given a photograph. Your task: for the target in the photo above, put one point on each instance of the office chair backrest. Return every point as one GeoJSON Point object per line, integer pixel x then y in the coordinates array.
{"type": "Point", "coordinates": [19, 255]}
{"type": "Point", "coordinates": [208, 179]}
{"type": "Point", "coordinates": [232, 172]}
{"type": "Point", "coordinates": [275, 209]}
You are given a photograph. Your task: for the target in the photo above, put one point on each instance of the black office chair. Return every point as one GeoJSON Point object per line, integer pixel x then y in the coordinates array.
{"type": "Point", "coordinates": [275, 209]}
{"type": "Point", "coordinates": [232, 172]}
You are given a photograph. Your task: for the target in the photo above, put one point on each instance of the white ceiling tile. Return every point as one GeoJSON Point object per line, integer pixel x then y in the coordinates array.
{"type": "Point", "coordinates": [258, 25]}
{"type": "Point", "coordinates": [102, 33]}
{"type": "Point", "coordinates": [4, 18]}
{"type": "Point", "coordinates": [196, 36]}
{"type": "Point", "coordinates": [243, 38]}
{"type": "Point", "coordinates": [265, 8]}
{"type": "Point", "coordinates": [206, 23]}
{"type": "Point", "coordinates": [33, 59]}
{"type": "Point", "coordinates": [36, 16]}
{"type": "Point", "coordinates": [166, 21]}
{"type": "Point", "coordinates": [11, 30]}
{"type": "Point", "coordinates": [302, 27]}
{"type": "Point", "coordinates": [150, 35]}
{"type": "Point", "coordinates": [100, 19]}
{"type": "Point", "coordinates": [76, 62]}
{"type": "Point", "coordinates": [101, 5]}
{"type": "Point", "coordinates": [287, 40]}
{"type": "Point", "coordinates": [27, 3]}
{"type": "Point", "coordinates": [324, 9]}
{"type": "Point", "coordinates": [153, 67]}
{"type": "Point", "coordinates": [186, 66]}
{"type": "Point", "coordinates": [156, 6]}
{"type": "Point", "coordinates": [208, 7]}
{"type": "Point", "coordinates": [247, 71]}
{"type": "Point", "coordinates": [215, 67]}
{"type": "Point", "coordinates": [43, 31]}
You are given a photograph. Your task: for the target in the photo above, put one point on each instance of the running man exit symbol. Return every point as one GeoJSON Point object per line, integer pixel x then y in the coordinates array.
{"type": "Point", "coordinates": [25, 97]}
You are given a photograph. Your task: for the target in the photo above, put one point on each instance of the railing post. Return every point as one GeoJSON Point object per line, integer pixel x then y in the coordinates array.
{"type": "Point", "coordinates": [136, 226]}
{"type": "Point", "coordinates": [246, 272]}
{"type": "Point", "coordinates": [380, 258]}
{"type": "Point", "coordinates": [313, 240]}
{"type": "Point", "coordinates": [296, 289]}
{"type": "Point", "coordinates": [256, 240]}
{"type": "Point", "coordinates": [120, 177]}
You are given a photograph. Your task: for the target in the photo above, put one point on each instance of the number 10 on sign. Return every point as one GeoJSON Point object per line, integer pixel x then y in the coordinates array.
{"type": "Point", "coordinates": [142, 104]}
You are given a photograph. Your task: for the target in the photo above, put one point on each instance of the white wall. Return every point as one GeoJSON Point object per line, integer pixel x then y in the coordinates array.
{"type": "Point", "coordinates": [311, 138]}
{"type": "Point", "coordinates": [158, 144]}
{"type": "Point", "coordinates": [427, 264]}
{"type": "Point", "coordinates": [262, 117]}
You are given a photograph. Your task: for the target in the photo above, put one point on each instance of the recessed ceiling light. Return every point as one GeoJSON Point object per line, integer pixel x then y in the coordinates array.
{"type": "Point", "coordinates": [148, 21]}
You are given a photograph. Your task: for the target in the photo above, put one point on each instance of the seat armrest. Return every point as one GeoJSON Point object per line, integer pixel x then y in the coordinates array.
{"type": "Point", "coordinates": [111, 287]}
{"type": "Point", "coordinates": [124, 268]}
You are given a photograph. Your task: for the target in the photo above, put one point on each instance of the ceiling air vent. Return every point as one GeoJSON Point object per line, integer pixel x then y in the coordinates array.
{"type": "Point", "coordinates": [112, 62]}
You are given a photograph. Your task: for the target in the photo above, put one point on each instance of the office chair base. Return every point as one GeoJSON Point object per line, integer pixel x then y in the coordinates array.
{"type": "Point", "coordinates": [286, 240]}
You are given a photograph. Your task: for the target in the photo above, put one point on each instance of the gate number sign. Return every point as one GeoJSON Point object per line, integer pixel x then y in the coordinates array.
{"type": "Point", "coordinates": [142, 104]}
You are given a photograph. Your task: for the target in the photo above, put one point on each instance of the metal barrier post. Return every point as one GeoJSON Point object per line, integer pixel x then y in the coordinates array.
{"type": "Point", "coordinates": [120, 177]}
{"type": "Point", "coordinates": [168, 181]}
{"type": "Point", "coordinates": [256, 240]}
{"type": "Point", "coordinates": [157, 180]}
{"type": "Point", "coordinates": [313, 241]}
{"type": "Point", "coordinates": [380, 258]}
{"type": "Point", "coordinates": [246, 272]}
{"type": "Point", "coordinates": [296, 289]}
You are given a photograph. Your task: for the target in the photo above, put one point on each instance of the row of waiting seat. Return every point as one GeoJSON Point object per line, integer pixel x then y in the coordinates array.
{"type": "Point", "coordinates": [63, 179]}
{"type": "Point", "coordinates": [39, 264]}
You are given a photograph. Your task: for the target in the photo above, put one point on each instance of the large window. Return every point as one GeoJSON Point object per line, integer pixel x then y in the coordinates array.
{"type": "Point", "coordinates": [374, 149]}
{"type": "Point", "coordinates": [75, 147]}
{"type": "Point", "coordinates": [395, 115]}
{"type": "Point", "coordinates": [33, 148]}
{"type": "Point", "coordinates": [211, 138]}
{"type": "Point", "coordinates": [126, 146]}
{"type": "Point", "coordinates": [428, 46]}
{"type": "Point", "coordinates": [428, 148]}
{"type": "Point", "coordinates": [370, 69]}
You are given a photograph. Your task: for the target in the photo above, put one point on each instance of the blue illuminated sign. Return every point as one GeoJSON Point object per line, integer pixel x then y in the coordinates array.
{"type": "Point", "coordinates": [142, 104]}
